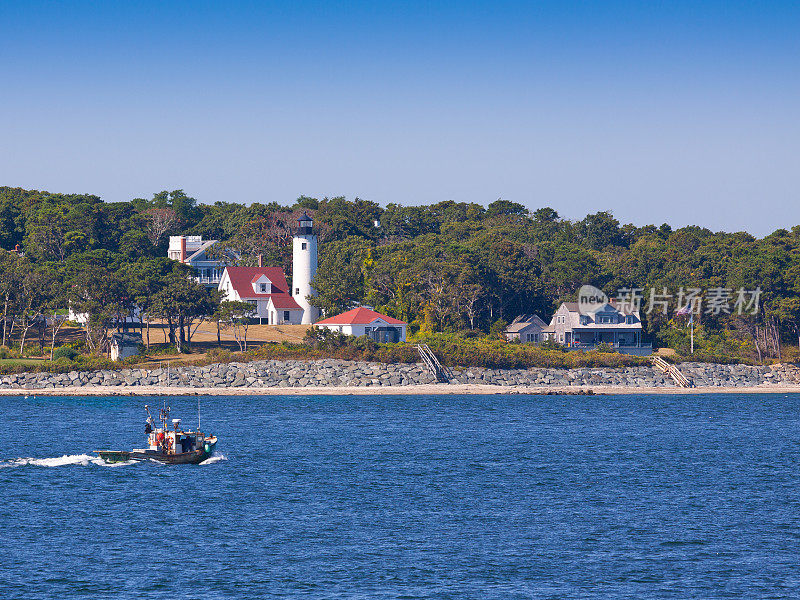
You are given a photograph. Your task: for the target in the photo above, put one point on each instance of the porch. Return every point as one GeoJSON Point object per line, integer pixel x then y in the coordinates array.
{"type": "Point", "coordinates": [623, 341]}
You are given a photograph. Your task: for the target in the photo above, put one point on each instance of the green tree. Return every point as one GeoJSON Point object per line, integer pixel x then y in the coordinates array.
{"type": "Point", "coordinates": [182, 301]}
{"type": "Point", "coordinates": [237, 316]}
{"type": "Point", "coordinates": [339, 281]}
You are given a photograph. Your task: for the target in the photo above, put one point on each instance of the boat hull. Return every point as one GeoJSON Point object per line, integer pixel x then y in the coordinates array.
{"type": "Point", "coordinates": [183, 458]}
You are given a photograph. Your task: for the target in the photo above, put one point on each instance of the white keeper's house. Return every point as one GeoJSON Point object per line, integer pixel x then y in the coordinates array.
{"type": "Point", "coordinates": [365, 321]}
{"type": "Point", "coordinates": [266, 289]}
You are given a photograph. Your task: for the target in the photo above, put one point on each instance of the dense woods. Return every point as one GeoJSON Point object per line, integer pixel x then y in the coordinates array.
{"type": "Point", "coordinates": [451, 268]}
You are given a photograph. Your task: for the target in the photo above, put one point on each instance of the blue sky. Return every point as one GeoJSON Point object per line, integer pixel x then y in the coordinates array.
{"type": "Point", "coordinates": [686, 112]}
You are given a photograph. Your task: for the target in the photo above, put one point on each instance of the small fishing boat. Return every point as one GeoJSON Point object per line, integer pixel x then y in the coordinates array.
{"type": "Point", "coordinates": [165, 444]}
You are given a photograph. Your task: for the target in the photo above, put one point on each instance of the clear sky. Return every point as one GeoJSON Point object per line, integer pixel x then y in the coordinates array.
{"type": "Point", "coordinates": [684, 112]}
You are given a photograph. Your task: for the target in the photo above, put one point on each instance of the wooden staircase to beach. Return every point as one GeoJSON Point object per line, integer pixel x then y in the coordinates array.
{"type": "Point", "coordinates": [674, 372]}
{"type": "Point", "coordinates": [440, 372]}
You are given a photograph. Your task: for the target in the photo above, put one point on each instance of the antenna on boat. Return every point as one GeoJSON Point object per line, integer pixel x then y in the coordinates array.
{"type": "Point", "coordinates": [198, 414]}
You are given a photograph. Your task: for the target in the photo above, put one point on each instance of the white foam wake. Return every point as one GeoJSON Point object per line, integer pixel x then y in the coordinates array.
{"type": "Point", "coordinates": [214, 458]}
{"type": "Point", "coordinates": [82, 460]}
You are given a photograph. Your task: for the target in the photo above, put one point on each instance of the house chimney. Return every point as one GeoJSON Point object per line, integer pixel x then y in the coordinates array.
{"type": "Point", "coordinates": [260, 261]}
{"type": "Point", "coordinates": [183, 248]}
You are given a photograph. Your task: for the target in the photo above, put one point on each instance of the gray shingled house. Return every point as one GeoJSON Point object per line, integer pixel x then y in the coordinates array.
{"type": "Point", "coordinates": [612, 323]}
{"type": "Point", "coordinates": [526, 328]}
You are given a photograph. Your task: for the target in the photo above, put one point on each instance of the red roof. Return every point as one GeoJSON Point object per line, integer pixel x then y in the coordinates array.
{"type": "Point", "coordinates": [242, 279]}
{"type": "Point", "coordinates": [358, 316]}
{"type": "Point", "coordinates": [285, 302]}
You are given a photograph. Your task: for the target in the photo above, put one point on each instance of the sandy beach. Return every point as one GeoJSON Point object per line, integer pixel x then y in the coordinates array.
{"type": "Point", "coordinates": [426, 389]}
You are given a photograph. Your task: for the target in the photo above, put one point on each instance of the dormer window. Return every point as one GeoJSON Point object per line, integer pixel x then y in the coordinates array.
{"type": "Point", "coordinates": [262, 285]}
{"type": "Point", "coordinates": [629, 319]}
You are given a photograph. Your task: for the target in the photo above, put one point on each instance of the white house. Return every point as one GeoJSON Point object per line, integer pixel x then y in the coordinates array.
{"type": "Point", "coordinates": [364, 321]}
{"type": "Point", "coordinates": [266, 289]}
{"type": "Point", "coordinates": [193, 251]}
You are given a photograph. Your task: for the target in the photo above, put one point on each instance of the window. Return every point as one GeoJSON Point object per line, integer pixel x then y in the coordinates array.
{"type": "Point", "coordinates": [263, 288]}
{"type": "Point", "coordinates": [286, 315]}
{"type": "Point", "coordinates": [296, 291]}
{"type": "Point", "coordinates": [303, 246]}
{"type": "Point", "coordinates": [367, 330]}
{"type": "Point", "coordinates": [629, 319]}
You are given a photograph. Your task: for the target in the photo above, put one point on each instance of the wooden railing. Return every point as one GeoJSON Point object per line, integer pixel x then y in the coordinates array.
{"type": "Point", "coordinates": [441, 373]}
{"type": "Point", "coordinates": [674, 372]}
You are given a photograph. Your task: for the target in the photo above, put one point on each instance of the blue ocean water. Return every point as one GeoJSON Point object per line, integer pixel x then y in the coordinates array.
{"type": "Point", "coordinates": [407, 497]}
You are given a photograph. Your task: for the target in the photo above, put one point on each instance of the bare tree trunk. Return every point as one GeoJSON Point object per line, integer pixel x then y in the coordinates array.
{"type": "Point", "coordinates": [237, 335]}
{"type": "Point", "coordinates": [758, 347]}
{"type": "Point", "coordinates": [181, 333]}
{"type": "Point", "coordinates": [56, 327]}
{"type": "Point", "coordinates": [42, 332]}
{"type": "Point", "coordinates": [178, 339]}
{"type": "Point", "coordinates": [53, 344]}
{"type": "Point", "coordinates": [148, 332]}
{"type": "Point", "coordinates": [191, 331]}
{"type": "Point", "coordinates": [5, 317]}
{"type": "Point", "coordinates": [22, 339]}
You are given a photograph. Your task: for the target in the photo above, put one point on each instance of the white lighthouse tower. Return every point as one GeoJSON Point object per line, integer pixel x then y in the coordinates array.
{"type": "Point", "coordinates": [304, 267]}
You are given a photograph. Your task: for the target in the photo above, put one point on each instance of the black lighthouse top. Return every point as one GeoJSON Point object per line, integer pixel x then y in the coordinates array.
{"type": "Point", "coordinates": [304, 225]}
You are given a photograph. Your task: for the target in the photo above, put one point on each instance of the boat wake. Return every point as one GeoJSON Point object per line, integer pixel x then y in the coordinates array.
{"type": "Point", "coordinates": [81, 460]}
{"type": "Point", "coordinates": [215, 458]}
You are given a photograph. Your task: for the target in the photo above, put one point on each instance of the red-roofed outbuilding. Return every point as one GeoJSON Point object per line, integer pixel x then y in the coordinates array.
{"type": "Point", "coordinates": [365, 321]}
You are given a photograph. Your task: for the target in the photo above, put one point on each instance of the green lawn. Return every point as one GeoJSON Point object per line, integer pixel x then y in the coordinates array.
{"type": "Point", "coordinates": [21, 361]}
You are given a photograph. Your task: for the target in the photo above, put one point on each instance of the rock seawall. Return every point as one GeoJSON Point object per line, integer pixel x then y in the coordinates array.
{"type": "Point", "coordinates": [339, 373]}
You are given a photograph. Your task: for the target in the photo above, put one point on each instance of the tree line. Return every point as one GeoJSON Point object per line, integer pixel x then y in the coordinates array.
{"type": "Point", "coordinates": [445, 267]}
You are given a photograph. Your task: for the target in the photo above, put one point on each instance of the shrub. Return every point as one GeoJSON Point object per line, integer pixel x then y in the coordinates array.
{"type": "Point", "coordinates": [218, 355]}
{"type": "Point", "coordinates": [67, 352]}
{"type": "Point", "coordinates": [6, 352]}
